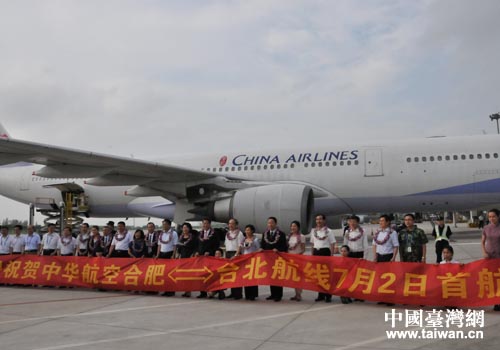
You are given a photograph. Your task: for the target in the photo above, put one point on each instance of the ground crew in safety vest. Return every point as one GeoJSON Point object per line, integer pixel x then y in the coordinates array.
{"type": "Point", "coordinates": [442, 234]}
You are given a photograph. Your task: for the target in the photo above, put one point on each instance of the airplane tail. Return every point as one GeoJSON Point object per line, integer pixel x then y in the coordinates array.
{"type": "Point", "coordinates": [3, 133]}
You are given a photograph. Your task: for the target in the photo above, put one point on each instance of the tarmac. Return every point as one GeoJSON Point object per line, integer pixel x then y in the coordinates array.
{"type": "Point", "coordinates": [53, 319]}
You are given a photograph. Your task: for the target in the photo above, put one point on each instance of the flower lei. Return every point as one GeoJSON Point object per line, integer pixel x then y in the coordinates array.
{"type": "Point", "coordinates": [160, 237]}
{"type": "Point", "coordinates": [64, 242]}
{"type": "Point", "coordinates": [354, 239]}
{"type": "Point", "coordinates": [231, 238]}
{"type": "Point", "coordinates": [276, 238]}
{"type": "Point", "coordinates": [247, 244]}
{"type": "Point", "coordinates": [297, 243]}
{"type": "Point", "coordinates": [325, 230]}
{"type": "Point", "coordinates": [382, 242]}
{"type": "Point", "coordinates": [80, 237]}
{"type": "Point", "coordinates": [210, 234]}
{"type": "Point", "coordinates": [92, 243]}
{"type": "Point", "coordinates": [122, 238]}
{"type": "Point", "coordinates": [184, 242]}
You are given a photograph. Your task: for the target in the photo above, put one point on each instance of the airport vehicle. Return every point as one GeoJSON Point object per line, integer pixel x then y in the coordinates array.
{"type": "Point", "coordinates": [428, 174]}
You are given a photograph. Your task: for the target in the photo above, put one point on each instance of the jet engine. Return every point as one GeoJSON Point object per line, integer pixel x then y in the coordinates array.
{"type": "Point", "coordinates": [286, 202]}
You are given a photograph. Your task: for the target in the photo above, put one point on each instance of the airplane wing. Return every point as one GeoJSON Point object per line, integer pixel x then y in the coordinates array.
{"type": "Point", "coordinates": [148, 178]}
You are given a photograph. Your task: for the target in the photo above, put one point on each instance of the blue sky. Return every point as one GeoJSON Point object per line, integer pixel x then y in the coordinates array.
{"type": "Point", "coordinates": [161, 77]}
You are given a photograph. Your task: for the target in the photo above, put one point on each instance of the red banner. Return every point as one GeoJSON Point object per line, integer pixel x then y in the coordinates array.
{"type": "Point", "coordinates": [473, 284]}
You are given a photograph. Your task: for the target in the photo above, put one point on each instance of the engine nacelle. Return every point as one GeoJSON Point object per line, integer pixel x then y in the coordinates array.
{"type": "Point", "coordinates": [287, 202]}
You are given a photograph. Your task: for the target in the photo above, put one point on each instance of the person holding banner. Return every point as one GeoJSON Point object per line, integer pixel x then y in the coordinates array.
{"type": "Point", "coordinates": [152, 240]}
{"type": "Point", "coordinates": [355, 238]}
{"type": "Point", "coordinates": [32, 243]}
{"type": "Point", "coordinates": [412, 241]}
{"type": "Point", "coordinates": [234, 238]}
{"type": "Point", "coordinates": [187, 246]}
{"type": "Point", "coordinates": [67, 243]}
{"type": "Point", "coordinates": [490, 241]}
{"type": "Point", "coordinates": [83, 240]}
{"type": "Point", "coordinates": [208, 242]}
{"type": "Point", "coordinates": [249, 245]}
{"type": "Point", "coordinates": [167, 243]}
{"type": "Point", "coordinates": [95, 247]}
{"type": "Point", "coordinates": [138, 248]}
{"type": "Point", "coordinates": [49, 241]}
{"type": "Point", "coordinates": [385, 241]}
{"type": "Point", "coordinates": [119, 245]}
{"type": "Point", "coordinates": [296, 245]}
{"type": "Point", "coordinates": [5, 241]}
{"type": "Point", "coordinates": [442, 234]}
{"type": "Point", "coordinates": [323, 244]}
{"type": "Point", "coordinates": [107, 239]}
{"type": "Point", "coordinates": [274, 239]}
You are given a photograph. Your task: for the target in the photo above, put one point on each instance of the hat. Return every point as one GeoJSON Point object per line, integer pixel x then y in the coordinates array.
{"type": "Point", "coordinates": [111, 223]}
{"type": "Point", "coordinates": [440, 218]}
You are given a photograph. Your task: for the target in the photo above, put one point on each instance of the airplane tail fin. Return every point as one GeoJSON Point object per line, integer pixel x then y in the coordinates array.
{"type": "Point", "coordinates": [3, 133]}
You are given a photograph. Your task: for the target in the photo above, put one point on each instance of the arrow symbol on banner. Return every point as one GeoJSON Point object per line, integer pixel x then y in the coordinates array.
{"type": "Point", "coordinates": [203, 274]}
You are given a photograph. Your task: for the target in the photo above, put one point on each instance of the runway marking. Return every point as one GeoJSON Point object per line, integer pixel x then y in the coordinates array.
{"type": "Point", "coordinates": [101, 312]}
{"type": "Point", "coordinates": [63, 300]}
{"type": "Point", "coordinates": [182, 330]}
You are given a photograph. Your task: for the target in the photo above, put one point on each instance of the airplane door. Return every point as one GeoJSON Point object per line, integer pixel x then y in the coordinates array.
{"type": "Point", "coordinates": [373, 162]}
{"type": "Point", "coordinates": [24, 182]}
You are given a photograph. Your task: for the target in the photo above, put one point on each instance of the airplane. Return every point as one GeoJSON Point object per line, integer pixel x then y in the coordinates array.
{"type": "Point", "coordinates": [410, 175]}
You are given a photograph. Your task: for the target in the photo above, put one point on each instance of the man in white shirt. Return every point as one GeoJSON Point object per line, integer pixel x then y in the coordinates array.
{"type": "Point", "coordinates": [323, 244]}
{"type": "Point", "coordinates": [17, 244]}
{"type": "Point", "coordinates": [67, 243]}
{"type": "Point", "coordinates": [82, 240]}
{"type": "Point", "coordinates": [120, 243]}
{"type": "Point", "coordinates": [32, 242]}
{"type": "Point", "coordinates": [234, 238]}
{"type": "Point", "coordinates": [5, 241]}
{"type": "Point", "coordinates": [385, 241]}
{"type": "Point", "coordinates": [355, 238]}
{"type": "Point", "coordinates": [167, 242]}
{"type": "Point", "coordinates": [49, 241]}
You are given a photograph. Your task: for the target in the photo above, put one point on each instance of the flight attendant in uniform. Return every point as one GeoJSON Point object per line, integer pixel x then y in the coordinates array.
{"type": "Point", "coordinates": [249, 245]}
{"type": "Point", "coordinates": [187, 246]}
{"type": "Point", "coordinates": [208, 242]}
{"type": "Point", "coordinates": [49, 241]}
{"type": "Point", "coordinates": [323, 244]}
{"type": "Point", "coordinates": [234, 238]}
{"type": "Point", "coordinates": [274, 239]}
{"type": "Point", "coordinates": [120, 243]}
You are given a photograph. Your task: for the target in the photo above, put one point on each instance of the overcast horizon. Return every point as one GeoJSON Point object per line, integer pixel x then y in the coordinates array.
{"type": "Point", "coordinates": [154, 78]}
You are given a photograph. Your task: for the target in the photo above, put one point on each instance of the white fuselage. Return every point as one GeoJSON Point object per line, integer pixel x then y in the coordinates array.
{"type": "Point", "coordinates": [434, 174]}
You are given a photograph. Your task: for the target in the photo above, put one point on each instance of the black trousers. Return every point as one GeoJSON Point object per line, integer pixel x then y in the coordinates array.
{"type": "Point", "coordinates": [323, 252]}
{"type": "Point", "coordinates": [120, 254]}
{"type": "Point", "coordinates": [48, 251]}
{"type": "Point", "coordinates": [360, 255]}
{"type": "Point", "coordinates": [384, 257]}
{"type": "Point", "coordinates": [440, 245]}
{"type": "Point", "coordinates": [251, 292]}
{"type": "Point", "coordinates": [236, 293]}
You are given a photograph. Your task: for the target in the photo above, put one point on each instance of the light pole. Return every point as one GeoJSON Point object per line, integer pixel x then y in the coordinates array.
{"type": "Point", "coordinates": [493, 117]}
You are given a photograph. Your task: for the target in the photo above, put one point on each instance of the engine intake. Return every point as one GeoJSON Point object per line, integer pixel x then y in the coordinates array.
{"type": "Point", "coordinates": [287, 202]}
